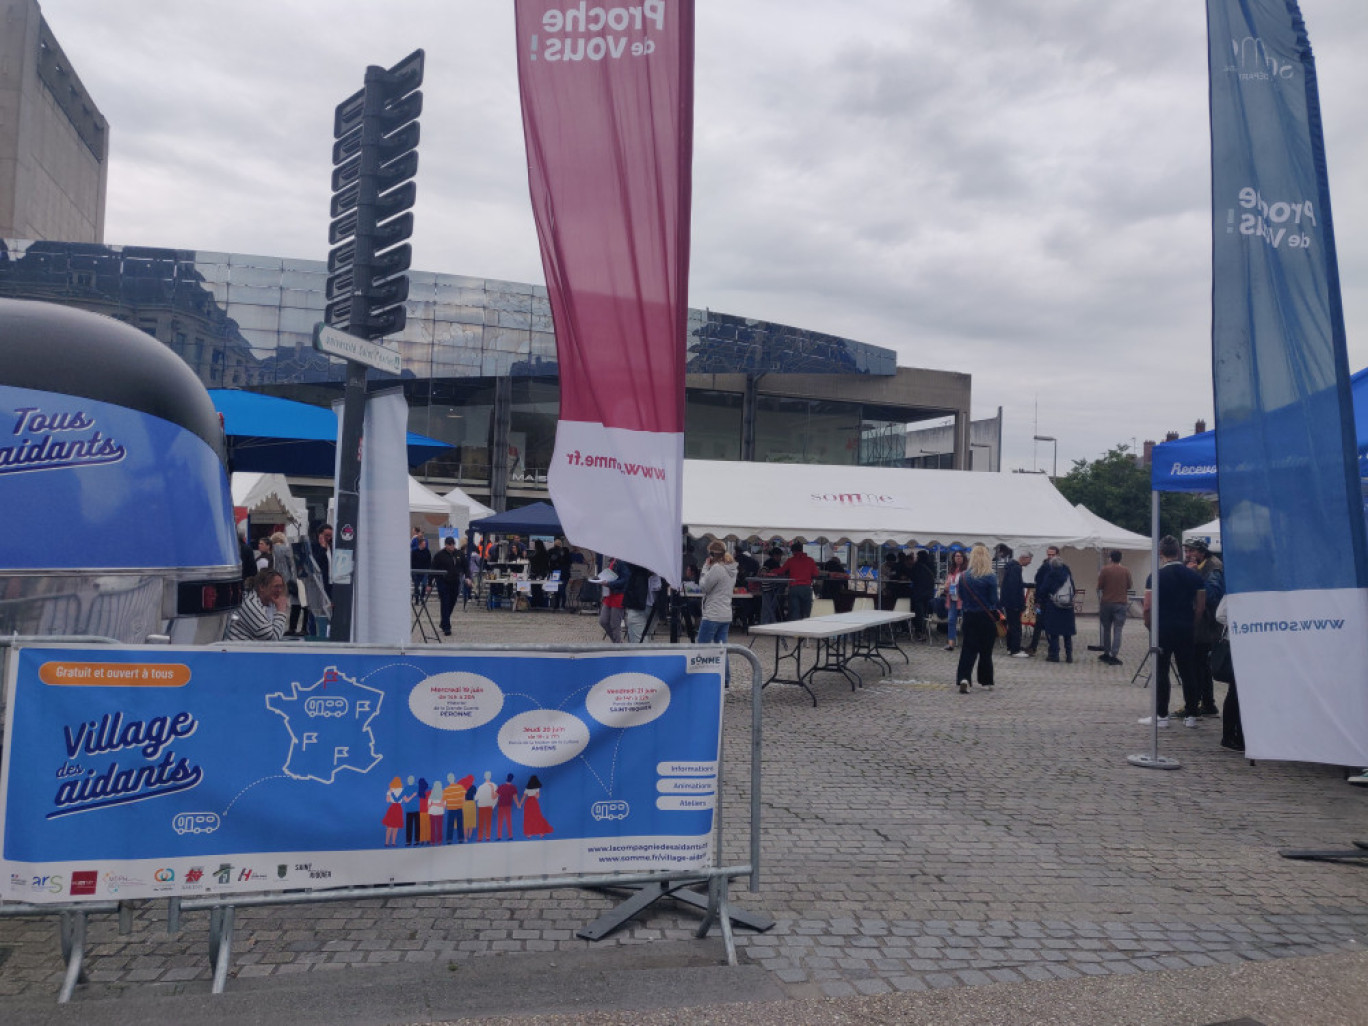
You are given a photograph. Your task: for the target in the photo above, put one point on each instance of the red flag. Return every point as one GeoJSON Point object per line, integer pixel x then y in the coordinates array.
{"type": "Point", "coordinates": [607, 100]}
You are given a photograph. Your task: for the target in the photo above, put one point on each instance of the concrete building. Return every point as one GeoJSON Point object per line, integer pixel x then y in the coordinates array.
{"type": "Point", "coordinates": [479, 361]}
{"type": "Point", "coordinates": [54, 142]}
{"type": "Point", "coordinates": [934, 448]}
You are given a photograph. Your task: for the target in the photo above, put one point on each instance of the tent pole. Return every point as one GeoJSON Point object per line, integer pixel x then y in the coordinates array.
{"type": "Point", "coordinates": [1152, 759]}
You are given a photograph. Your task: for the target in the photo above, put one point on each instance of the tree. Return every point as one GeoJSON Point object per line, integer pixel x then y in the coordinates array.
{"type": "Point", "coordinates": [1117, 488]}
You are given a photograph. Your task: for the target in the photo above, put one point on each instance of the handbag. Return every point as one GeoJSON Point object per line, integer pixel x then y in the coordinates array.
{"type": "Point", "coordinates": [1222, 666]}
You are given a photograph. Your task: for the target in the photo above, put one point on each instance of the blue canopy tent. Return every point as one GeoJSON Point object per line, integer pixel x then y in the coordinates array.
{"type": "Point", "coordinates": [537, 518]}
{"type": "Point", "coordinates": [277, 436]}
{"type": "Point", "coordinates": [1189, 464]}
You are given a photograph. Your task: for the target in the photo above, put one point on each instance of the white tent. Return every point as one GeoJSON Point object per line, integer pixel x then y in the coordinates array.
{"type": "Point", "coordinates": [267, 498]}
{"type": "Point", "coordinates": [464, 509]}
{"type": "Point", "coordinates": [1209, 533]}
{"type": "Point", "coordinates": [1103, 534]}
{"type": "Point", "coordinates": [427, 509]}
{"type": "Point", "coordinates": [877, 504]}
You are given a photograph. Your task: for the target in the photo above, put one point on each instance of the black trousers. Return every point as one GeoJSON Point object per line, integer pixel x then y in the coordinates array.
{"type": "Point", "coordinates": [1013, 631]}
{"type": "Point", "coordinates": [978, 636]}
{"type": "Point", "coordinates": [1201, 666]}
{"type": "Point", "coordinates": [446, 595]}
{"type": "Point", "coordinates": [1180, 651]}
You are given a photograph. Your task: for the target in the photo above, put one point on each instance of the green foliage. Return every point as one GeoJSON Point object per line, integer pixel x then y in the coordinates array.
{"type": "Point", "coordinates": [1117, 488]}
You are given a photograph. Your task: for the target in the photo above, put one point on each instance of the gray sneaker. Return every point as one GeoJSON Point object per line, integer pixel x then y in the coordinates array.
{"type": "Point", "coordinates": [1145, 721]}
{"type": "Point", "coordinates": [1190, 721]}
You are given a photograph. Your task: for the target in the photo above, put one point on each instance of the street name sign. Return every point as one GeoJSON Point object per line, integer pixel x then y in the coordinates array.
{"type": "Point", "coordinates": [349, 347]}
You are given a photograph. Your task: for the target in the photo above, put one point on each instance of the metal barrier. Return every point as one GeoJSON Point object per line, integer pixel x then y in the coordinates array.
{"type": "Point", "coordinates": [648, 887]}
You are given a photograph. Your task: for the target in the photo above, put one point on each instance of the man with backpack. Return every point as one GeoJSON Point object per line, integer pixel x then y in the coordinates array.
{"type": "Point", "coordinates": [1055, 595]}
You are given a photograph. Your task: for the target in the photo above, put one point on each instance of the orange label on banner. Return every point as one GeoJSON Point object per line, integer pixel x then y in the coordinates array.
{"type": "Point", "coordinates": [104, 675]}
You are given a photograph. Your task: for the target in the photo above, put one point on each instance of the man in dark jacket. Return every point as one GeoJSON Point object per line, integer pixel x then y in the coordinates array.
{"type": "Point", "coordinates": [1051, 552]}
{"type": "Point", "coordinates": [923, 587]}
{"type": "Point", "coordinates": [1014, 599]}
{"type": "Point", "coordinates": [420, 561]}
{"type": "Point", "coordinates": [1182, 604]}
{"type": "Point", "coordinates": [1212, 572]}
{"type": "Point", "coordinates": [446, 565]}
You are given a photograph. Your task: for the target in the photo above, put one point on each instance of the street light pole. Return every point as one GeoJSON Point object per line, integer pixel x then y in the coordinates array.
{"type": "Point", "coordinates": [1055, 442]}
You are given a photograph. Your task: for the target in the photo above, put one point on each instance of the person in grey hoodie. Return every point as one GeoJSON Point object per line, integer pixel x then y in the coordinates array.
{"type": "Point", "coordinates": [717, 581]}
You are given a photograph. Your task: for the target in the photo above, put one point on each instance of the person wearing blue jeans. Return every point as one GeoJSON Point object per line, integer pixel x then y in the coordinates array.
{"type": "Point", "coordinates": [717, 581]}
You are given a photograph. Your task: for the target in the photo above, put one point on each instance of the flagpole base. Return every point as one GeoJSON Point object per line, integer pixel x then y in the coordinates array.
{"type": "Point", "coordinates": [1148, 761]}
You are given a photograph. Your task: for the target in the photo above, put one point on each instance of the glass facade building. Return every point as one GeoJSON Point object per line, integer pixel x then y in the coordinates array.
{"type": "Point", "coordinates": [479, 358]}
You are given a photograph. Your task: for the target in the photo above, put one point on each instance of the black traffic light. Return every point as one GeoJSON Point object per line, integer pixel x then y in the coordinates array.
{"type": "Point", "coordinates": [374, 158]}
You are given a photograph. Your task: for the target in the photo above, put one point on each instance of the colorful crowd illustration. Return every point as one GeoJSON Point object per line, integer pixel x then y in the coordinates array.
{"type": "Point", "coordinates": [461, 811]}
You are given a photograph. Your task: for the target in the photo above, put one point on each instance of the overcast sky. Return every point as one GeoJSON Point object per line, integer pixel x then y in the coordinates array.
{"type": "Point", "coordinates": [1016, 189]}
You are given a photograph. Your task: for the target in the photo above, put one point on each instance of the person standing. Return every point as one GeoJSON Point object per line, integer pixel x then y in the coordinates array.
{"type": "Point", "coordinates": [978, 590]}
{"type": "Point", "coordinates": [1057, 610]}
{"type": "Point", "coordinates": [801, 570]}
{"type": "Point", "coordinates": [636, 600]}
{"type": "Point", "coordinates": [447, 567]}
{"type": "Point", "coordinates": [486, 798]}
{"type": "Point", "coordinates": [953, 604]}
{"type": "Point", "coordinates": [717, 582]}
{"type": "Point", "coordinates": [613, 579]}
{"type": "Point", "coordinates": [245, 552]}
{"type": "Point", "coordinates": [1212, 572]}
{"type": "Point", "coordinates": [923, 588]}
{"type": "Point", "coordinates": [282, 560]}
{"type": "Point", "coordinates": [1114, 585]}
{"type": "Point", "coordinates": [1014, 600]}
{"type": "Point", "coordinates": [506, 796]}
{"type": "Point", "coordinates": [420, 562]}
{"type": "Point", "coordinates": [1037, 597]}
{"type": "Point", "coordinates": [772, 586]}
{"type": "Point", "coordinates": [322, 553]}
{"type": "Point", "coordinates": [1182, 604]}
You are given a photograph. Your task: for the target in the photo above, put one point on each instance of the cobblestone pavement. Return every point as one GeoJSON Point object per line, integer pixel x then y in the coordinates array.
{"type": "Point", "coordinates": [913, 839]}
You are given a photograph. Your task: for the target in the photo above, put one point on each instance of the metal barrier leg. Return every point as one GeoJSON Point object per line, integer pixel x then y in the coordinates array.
{"type": "Point", "coordinates": [173, 915]}
{"type": "Point", "coordinates": [618, 915]}
{"type": "Point", "coordinates": [221, 944]}
{"type": "Point", "coordinates": [125, 918]}
{"type": "Point", "coordinates": [724, 917]}
{"type": "Point", "coordinates": [73, 952]}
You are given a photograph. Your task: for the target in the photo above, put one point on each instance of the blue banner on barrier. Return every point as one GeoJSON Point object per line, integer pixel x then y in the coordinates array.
{"type": "Point", "coordinates": [157, 772]}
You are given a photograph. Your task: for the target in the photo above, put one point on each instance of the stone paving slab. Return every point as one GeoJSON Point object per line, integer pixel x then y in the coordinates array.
{"type": "Point", "coordinates": [914, 839]}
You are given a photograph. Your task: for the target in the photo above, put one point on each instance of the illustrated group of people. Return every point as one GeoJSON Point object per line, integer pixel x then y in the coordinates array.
{"type": "Point", "coordinates": [461, 811]}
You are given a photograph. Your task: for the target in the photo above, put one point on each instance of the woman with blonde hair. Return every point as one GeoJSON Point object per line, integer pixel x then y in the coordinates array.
{"type": "Point", "coordinates": [717, 582]}
{"type": "Point", "coordinates": [978, 591]}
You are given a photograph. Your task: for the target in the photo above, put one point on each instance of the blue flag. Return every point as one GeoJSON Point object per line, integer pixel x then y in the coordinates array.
{"type": "Point", "coordinates": [1291, 509]}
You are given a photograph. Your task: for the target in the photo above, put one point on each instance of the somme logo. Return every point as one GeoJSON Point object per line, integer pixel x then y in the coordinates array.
{"type": "Point", "coordinates": [853, 498]}
{"type": "Point", "coordinates": [1254, 62]}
